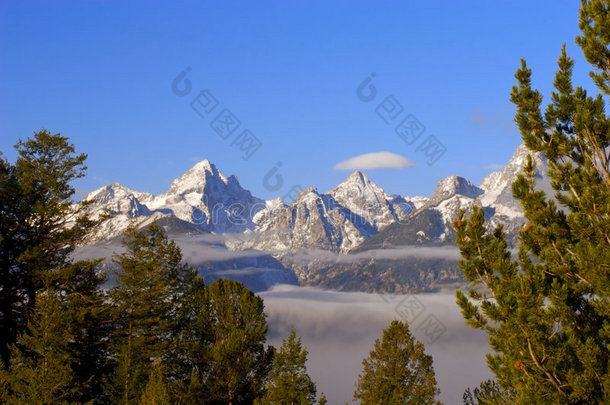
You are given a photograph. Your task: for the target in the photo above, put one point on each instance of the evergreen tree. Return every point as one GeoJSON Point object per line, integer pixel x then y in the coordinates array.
{"type": "Point", "coordinates": [397, 371]}
{"type": "Point", "coordinates": [35, 207]}
{"type": "Point", "coordinates": [89, 314]}
{"type": "Point", "coordinates": [488, 392]}
{"type": "Point", "coordinates": [155, 392]}
{"type": "Point", "coordinates": [289, 382]}
{"type": "Point", "coordinates": [147, 304]}
{"type": "Point", "coordinates": [547, 311]}
{"type": "Point", "coordinates": [40, 365]}
{"type": "Point", "coordinates": [233, 362]}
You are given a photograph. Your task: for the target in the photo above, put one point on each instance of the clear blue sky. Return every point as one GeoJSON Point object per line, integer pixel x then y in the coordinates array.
{"type": "Point", "coordinates": [100, 72]}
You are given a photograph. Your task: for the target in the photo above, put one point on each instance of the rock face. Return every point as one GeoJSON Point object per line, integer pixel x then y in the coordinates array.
{"type": "Point", "coordinates": [202, 197]}
{"type": "Point", "coordinates": [497, 186]}
{"type": "Point", "coordinates": [355, 217]}
{"type": "Point", "coordinates": [432, 222]}
{"type": "Point", "coordinates": [338, 220]}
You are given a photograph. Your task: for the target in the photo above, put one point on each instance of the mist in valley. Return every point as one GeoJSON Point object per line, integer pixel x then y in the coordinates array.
{"type": "Point", "coordinates": [339, 329]}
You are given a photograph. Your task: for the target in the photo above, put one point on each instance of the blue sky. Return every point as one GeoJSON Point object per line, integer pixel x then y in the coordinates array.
{"type": "Point", "coordinates": [101, 72]}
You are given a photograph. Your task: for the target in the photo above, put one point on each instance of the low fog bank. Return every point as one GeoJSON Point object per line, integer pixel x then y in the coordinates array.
{"type": "Point", "coordinates": [339, 330]}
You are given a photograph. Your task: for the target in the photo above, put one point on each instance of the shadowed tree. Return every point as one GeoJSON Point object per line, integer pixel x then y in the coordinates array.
{"type": "Point", "coordinates": [155, 392]}
{"type": "Point", "coordinates": [397, 371]}
{"type": "Point", "coordinates": [151, 306]}
{"type": "Point", "coordinates": [289, 382]}
{"type": "Point", "coordinates": [233, 362]}
{"type": "Point", "coordinates": [39, 224]}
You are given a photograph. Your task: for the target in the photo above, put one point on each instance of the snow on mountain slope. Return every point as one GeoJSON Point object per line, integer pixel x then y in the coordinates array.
{"type": "Point", "coordinates": [355, 216]}
{"type": "Point", "coordinates": [202, 196]}
{"type": "Point", "coordinates": [311, 221]}
{"type": "Point", "coordinates": [433, 221]}
{"type": "Point", "coordinates": [337, 220]}
{"type": "Point", "coordinates": [366, 199]}
{"type": "Point", "coordinates": [498, 185]}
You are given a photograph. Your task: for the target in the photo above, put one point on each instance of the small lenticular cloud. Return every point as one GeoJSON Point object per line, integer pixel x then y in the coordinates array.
{"type": "Point", "coordinates": [376, 160]}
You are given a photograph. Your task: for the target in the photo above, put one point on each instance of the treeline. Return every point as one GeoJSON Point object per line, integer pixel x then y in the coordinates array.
{"type": "Point", "coordinates": [159, 335]}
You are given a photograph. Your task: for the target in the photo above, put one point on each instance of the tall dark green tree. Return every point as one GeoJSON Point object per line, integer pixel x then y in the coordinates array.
{"type": "Point", "coordinates": [397, 371]}
{"type": "Point", "coordinates": [39, 225]}
{"type": "Point", "coordinates": [289, 383]}
{"type": "Point", "coordinates": [149, 305]}
{"type": "Point", "coordinates": [233, 361]}
{"type": "Point", "coordinates": [547, 311]}
{"type": "Point", "coordinates": [40, 369]}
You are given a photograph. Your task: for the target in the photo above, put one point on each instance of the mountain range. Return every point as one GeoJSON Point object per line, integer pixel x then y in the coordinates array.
{"type": "Point", "coordinates": [353, 237]}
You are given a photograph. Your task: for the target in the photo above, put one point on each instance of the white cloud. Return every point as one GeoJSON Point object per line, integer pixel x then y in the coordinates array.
{"type": "Point", "coordinates": [376, 160]}
{"type": "Point", "coordinates": [494, 166]}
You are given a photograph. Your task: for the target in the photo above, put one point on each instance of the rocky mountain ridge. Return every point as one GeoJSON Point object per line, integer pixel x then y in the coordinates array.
{"type": "Point", "coordinates": [354, 217]}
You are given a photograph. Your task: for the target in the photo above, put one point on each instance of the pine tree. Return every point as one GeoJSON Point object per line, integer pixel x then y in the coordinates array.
{"type": "Point", "coordinates": [397, 371]}
{"type": "Point", "coordinates": [289, 382]}
{"type": "Point", "coordinates": [233, 361]}
{"type": "Point", "coordinates": [488, 392]}
{"type": "Point", "coordinates": [89, 314]}
{"type": "Point", "coordinates": [35, 206]}
{"type": "Point", "coordinates": [147, 304]}
{"type": "Point", "coordinates": [155, 392]}
{"type": "Point", "coordinates": [547, 311]}
{"type": "Point", "coordinates": [40, 365]}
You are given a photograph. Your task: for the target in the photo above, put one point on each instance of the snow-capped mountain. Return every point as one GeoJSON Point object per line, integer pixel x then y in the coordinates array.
{"type": "Point", "coordinates": [355, 217]}
{"type": "Point", "coordinates": [498, 185]}
{"type": "Point", "coordinates": [432, 222]}
{"type": "Point", "coordinates": [202, 197]}
{"type": "Point", "coordinates": [338, 220]}
{"type": "Point", "coordinates": [367, 200]}
{"type": "Point", "coordinates": [205, 197]}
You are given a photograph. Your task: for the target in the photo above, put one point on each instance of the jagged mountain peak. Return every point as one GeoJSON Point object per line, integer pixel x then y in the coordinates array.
{"type": "Point", "coordinates": [452, 185]}
{"type": "Point", "coordinates": [205, 164]}
{"type": "Point", "coordinates": [498, 185]}
{"type": "Point", "coordinates": [356, 179]}
{"type": "Point", "coordinates": [357, 176]}
{"type": "Point", "coordinates": [196, 178]}
{"type": "Point", "coordinates": [358, 185]}
{"type": "Point", "coordinates": [309, 192]}
{"type": "Point", "coordinates": [115, 191]}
